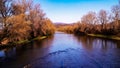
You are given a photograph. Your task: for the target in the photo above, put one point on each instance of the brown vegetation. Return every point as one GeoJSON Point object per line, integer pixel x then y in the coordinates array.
{"type": "Point", "coordinates": [69, 28]}
{"type": "Point", "coordinates": [97, 23]}
{"type": "Point", "coordinates": [22, 19]}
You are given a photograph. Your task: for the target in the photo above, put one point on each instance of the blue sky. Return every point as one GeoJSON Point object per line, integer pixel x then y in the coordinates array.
{"type": "Point", "coordinates": [70, 11]}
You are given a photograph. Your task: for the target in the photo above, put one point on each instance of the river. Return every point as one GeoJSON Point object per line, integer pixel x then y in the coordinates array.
{"type": "Point", "coordinates": [63, 51]}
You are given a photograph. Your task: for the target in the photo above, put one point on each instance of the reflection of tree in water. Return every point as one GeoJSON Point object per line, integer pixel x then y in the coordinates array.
{"type": "Point", "coordinates": [38, 45]}
{"type": "Point", "coordinates": [118, 44]}
{"type": "Point", "coordinates": [44, 43]}
{"type": "Point", "coordinates": [91, 43]}
{"type": "Point", "coordinates": [35, 44]}
{"type": "Point", "coordinates": [27, 52]}
{"type": "Point", "coordinates": [87, 42]}
{"type": "Point", "coordinates": [9, 53]}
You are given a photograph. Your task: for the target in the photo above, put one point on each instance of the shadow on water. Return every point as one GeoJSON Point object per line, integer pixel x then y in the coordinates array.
{"type": "Point", "coordinates": [63, 50]}
{"type": "Point", "coordinates": [97, 43]}
{"type": "Point", "coordinates": [18, 56]}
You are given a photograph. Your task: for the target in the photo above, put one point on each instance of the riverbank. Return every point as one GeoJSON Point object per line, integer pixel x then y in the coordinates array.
{"type": "Point", "coordinates": [113, 37]}
{"type": "Point", "coordinates": [20, 42]}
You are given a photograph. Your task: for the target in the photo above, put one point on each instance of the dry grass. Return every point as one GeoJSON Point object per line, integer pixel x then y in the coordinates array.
{"type": "Point", "coordinates": [104, 36]}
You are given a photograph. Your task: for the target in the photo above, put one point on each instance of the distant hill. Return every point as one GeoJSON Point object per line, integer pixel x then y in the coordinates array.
{"type": "Point", "coordinates": [58, 24]}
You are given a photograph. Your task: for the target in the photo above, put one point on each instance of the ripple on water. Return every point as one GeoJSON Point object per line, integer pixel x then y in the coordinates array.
{"type": "Point", "coordinates": [70, 58]}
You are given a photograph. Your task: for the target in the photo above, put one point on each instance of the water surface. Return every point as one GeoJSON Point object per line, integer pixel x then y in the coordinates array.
{"type": "Point", "coordinates": [63, 51]}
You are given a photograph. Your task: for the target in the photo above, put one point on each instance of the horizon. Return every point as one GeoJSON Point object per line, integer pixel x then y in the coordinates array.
{"type": "Point", "coordinates": [71, 11]}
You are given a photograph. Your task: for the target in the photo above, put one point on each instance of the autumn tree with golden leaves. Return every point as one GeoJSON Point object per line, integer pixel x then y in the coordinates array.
{"type": "Point", "coordinates": [24, 20]}
{"type": "Point", "coordinates": [19, 28]}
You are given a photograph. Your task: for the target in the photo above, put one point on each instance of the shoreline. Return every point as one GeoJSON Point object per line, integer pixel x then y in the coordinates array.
{"type": "Point", "coordinates": [14, 44]}
{"type": "Point", "coordinates": [112, 37]}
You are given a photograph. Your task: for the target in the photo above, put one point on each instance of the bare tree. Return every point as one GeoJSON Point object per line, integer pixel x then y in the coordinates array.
{"type": "Point", "coordinates": [116, 14]}
{"type": "Point", "coordinates": [36, 16]}
{"type": "Point", "coordinates": [89, 20]}
{"type": "Point", "coordinates": [5, 11]}
{"type": "Point", "coordinates": [21, 6]}
{"type": "Point", "coordinates": [103, 18]}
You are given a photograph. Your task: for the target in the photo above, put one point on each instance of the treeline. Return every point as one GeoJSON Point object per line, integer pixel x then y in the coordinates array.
{"type": "Point", "coordinates": [23, 19]}
{"type": "Point", "coordinates": [68, 28]}
{"type": "Point", "coordinates": [103, 22]}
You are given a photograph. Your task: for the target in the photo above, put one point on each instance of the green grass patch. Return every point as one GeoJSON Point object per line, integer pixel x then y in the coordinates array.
{"type": "Point", "coordinates": [28, 41]}
{"type": "Point", "coordinates": [40, 38]}
{"type": "Point", "coordinates": [21, 42]}
{"type": "Point", "coordinates": [104, 36]}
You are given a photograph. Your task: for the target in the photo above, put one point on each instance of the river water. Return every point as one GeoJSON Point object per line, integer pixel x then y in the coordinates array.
{"type": "Point", "coordinates": [63, 51]}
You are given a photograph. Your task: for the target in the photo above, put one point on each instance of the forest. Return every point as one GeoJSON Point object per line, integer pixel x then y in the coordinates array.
{"type": "Point", "coordinates": [22, 20]}
{"type": "Point", "coordinates": [59, 34]}
{"type": "Point", "coordinates": [103, 23]}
